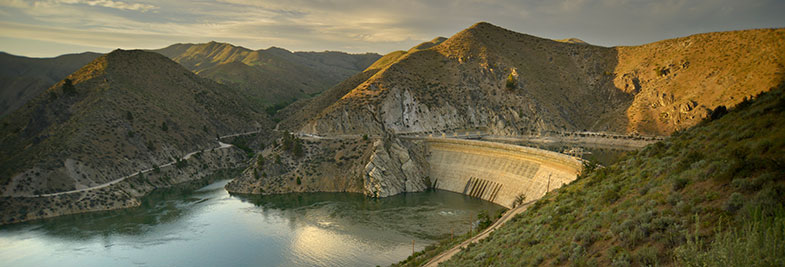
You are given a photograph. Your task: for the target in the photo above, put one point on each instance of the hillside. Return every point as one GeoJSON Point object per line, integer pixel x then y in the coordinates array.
{"type": "Point", "coordinates": [711, 195]}
{"type": "Point", "coordinates": [513, 84]}
{"type": "Point", "coordinates": [22, 78]}
{"type": "Point", "coordinates": [123, 112]}
{"type": "Point", "coordinates": [268, 76]}
{"type": "Point", "coordinates": [296, 114]}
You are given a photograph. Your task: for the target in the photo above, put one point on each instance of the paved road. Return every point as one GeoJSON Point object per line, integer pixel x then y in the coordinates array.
{"type": "Point", "coordinates": [222, 145]}
{"type": "Point", "coordinates": [446, 255]}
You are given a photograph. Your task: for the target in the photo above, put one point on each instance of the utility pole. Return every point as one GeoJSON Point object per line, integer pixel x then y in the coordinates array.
{"type": "Point", "coordinates": [548, 188]}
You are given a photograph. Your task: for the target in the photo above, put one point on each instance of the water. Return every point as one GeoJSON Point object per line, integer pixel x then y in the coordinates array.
{"type": "Point", "coordinates": [209, 227]}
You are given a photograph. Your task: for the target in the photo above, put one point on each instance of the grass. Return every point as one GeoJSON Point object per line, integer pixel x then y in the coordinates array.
{"type": "Point", "coordinates": [712, 195]}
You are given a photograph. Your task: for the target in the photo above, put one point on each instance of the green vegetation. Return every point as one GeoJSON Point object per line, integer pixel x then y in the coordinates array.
{"type": "Point", "coordinates": [511, 82]}
{"type": "Point", "coordinates": [421, 257]}
{"type": "Point", "coordinates": [164, 127]}
{"type": "Point", "coordinates": [180, 163]}
{"type": "Point", "coordinates": [661, 71]}
{"type": "Point", "coordinates": [271, 110]}
{"type": "Point", "coordinates": [68, 88]}
{"type": "Point", "coordinates": [712, 195]}
{"type": "Point", "coordinates": [293, 144]}
{"type": "Point", "coordinates": [129, 116]}
{"type": "Point", "coordinates": [242, 144]}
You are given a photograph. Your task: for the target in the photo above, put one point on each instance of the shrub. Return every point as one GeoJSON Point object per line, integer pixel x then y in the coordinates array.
{"type": "Point", "coordinates": [610, 195]}
{"type": "Point", "coordinates": [718, 112]}
{"type": "Point", "coordinates": [647, 256]}
{"type": "Point", "coordinates": [734, 202]}
{"type": "Point", "coordinates": [68, 88]}
{"type": "Point", "coordinates": [299, 181]}
{"type": "Point", "coordinates": [511, 82]}
{"type": "Point", "coordinates": [518, 200]}
{"type": "Point", "coordinates": [164, 127]}
{"type": "Point", "coordinates": [679, 183]}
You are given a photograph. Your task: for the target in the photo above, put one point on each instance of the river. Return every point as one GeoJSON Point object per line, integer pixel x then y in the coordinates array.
{"type": "Point", "coordinates": [206, 226]}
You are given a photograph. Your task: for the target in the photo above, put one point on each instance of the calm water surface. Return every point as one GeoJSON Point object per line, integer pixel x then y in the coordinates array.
{"type": "Point", "coordinates": [209, 227]}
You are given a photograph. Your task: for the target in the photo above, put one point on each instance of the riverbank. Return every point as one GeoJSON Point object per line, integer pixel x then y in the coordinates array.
{"type": "Point", "coordinates": [124, 192]}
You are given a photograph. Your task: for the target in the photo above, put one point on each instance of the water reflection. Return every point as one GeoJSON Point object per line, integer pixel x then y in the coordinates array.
{"type": "Point", "coordinates": [205, 226]}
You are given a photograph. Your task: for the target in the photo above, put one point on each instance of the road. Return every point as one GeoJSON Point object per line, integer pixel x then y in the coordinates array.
{"type": "Point", "coordinates": [222, 145]}
{"type": "Point", "coordinates": [446, 255]}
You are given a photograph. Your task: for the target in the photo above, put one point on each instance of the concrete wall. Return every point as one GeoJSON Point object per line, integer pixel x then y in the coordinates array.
{"type": "Point", "coordinates": [497, 172]}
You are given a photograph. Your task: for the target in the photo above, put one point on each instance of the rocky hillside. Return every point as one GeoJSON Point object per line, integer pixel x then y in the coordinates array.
{"type": "Point", "coordinates": [513, 83]}
{"type": "Point", "coordinates": [268, 76]}
{"type": "Point", "coordinates": [713, 195]}
{"type": "Point", "coordinates": [22, 78]}
{"type": "Point", "coordinates": [123, 112]}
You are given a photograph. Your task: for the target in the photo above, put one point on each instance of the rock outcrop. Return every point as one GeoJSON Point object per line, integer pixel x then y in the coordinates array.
{"type": "Point", "coordinates": [377, 167]}
{"type": "Point", "coordinates": [395, 167]}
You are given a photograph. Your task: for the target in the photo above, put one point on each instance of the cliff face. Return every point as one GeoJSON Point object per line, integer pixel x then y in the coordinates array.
{"type": "Point", "coordinates": [511, 84]}
{"type": "Point", "coordinates": [395, 167]}
{"type": "Point", "coordinates": [376, 168]}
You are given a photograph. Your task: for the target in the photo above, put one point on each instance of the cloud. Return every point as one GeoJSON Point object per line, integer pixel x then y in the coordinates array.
{"type": "Point", "coordinates": [112, 4]}
{"type": "Point", "coordinates": [364, 25]}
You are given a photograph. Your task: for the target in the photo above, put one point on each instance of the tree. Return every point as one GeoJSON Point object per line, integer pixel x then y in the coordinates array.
{"type": "Point", "coordinates": [164, 127]}
{"type": "Point", "coordinates": [511, 82]}
{"type": "Point", "coordinates": [719, 112]}
{"type": "Point", "coordinates": [68, 87]}
{"type": "Point", "coordinates": [129, 116]}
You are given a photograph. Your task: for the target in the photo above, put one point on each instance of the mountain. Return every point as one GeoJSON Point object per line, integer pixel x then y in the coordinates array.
{"type": "Point", "coordinates": [487, 77]}
{"type": "Point", "coordinates": [123, 112]}
{"type": "Point", "coordinates": [22, 78]}
{"type": "Point", "coordinates": [712, 195]}
{"type": "Point", "coordinates": [268, 76]}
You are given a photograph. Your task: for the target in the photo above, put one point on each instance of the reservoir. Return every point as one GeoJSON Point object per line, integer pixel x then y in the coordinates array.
{"type": "Point", "coordinates": [203, 225]}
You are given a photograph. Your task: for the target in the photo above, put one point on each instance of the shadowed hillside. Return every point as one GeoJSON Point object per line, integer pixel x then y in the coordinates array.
{"type": "Point", "coordinates": [272, 76]}
{"type": "Point", "coordinates": [23, 78]}
{"type": "Point", "coordinates": [124, 112]}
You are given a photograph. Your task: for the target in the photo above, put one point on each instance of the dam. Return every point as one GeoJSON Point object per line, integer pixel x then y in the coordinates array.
{"type": "Point", "coordinates": [497, 172]}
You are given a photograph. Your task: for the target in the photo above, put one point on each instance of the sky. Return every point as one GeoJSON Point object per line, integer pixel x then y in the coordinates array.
{"type": "Point", "coordinates": [47, 28]}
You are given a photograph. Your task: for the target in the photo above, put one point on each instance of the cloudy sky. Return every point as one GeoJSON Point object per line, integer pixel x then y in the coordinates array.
{"type": "Point", "coordinates": [43, 28]}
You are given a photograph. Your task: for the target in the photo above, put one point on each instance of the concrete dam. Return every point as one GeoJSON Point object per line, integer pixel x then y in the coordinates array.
{"type": "Point", "coordinates": [497, 172]}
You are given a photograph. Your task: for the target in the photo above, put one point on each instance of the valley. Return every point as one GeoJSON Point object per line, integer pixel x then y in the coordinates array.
{"type": "Point", "coordinates": [684, 128]}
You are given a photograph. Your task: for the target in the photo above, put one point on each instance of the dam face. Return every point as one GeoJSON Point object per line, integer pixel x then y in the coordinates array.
{"type": "Point", "coordinates": [497, 172]}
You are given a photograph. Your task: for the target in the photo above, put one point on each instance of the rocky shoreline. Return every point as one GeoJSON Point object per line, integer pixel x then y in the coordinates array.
{"type": "Point", "coordinates": [376, 167]}
{"type": "Point", "coordinates": [124, 194]}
